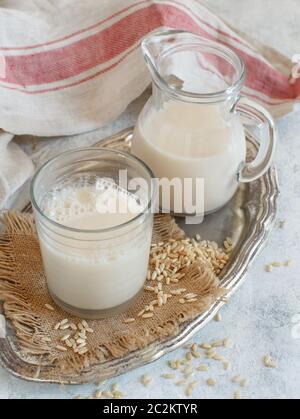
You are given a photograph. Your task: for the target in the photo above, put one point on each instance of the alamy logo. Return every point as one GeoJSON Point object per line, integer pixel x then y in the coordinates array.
{"type": "Point", "coordinates": [183, 196]}
{"type": "Point", "coordinates": [296, 327]}
{"type": "Point", "coordinates": [296, 68]}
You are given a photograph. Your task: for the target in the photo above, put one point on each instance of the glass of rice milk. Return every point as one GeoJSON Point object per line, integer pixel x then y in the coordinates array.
{"type": "Point", "coordinates": [94, 217]}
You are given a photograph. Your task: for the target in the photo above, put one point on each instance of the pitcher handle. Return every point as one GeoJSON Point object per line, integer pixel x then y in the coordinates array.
{"type": "Point", "coordinates": [253, 111]}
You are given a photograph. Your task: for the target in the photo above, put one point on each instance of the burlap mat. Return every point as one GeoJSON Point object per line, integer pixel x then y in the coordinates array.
{"type": "Point", "coordinates": [24, 293]}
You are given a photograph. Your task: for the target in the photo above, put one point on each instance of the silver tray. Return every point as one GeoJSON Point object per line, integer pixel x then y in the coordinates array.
{"type": "Point", "coordinates": [248, 219]}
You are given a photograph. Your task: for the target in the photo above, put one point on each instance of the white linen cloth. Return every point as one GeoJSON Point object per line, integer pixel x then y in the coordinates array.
{"type": "Point", "coordinates": [15, 167]}
{"type": "Point", "coordinates": [71, 66]}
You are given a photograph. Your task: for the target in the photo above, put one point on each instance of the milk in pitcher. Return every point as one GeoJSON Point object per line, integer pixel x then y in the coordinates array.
{"type": "Point", "coordinates": [184, 140]}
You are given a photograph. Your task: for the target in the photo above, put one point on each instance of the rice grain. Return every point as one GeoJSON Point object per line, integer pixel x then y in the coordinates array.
{"type": "Point", "coordinates": [211, 382]}
{"type": "Point", "coordinates": [49, 307]}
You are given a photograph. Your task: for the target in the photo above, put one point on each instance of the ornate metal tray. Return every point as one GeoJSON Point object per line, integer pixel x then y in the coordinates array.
{"type": "Point", "coordinates": [248, 219]}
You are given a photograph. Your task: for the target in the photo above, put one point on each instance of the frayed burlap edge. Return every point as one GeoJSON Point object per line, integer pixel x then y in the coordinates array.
{"type": "Point", "coordinates": [26, 325]}
{"type": "Point", "coordinates": [30, 330]}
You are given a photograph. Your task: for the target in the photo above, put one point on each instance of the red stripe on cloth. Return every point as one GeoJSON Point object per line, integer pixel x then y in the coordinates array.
{"type": "Point", "coordinates": [297, 88]}
{"type": "Point", "coordinates": [267, 102]}
{"type": "Point", "coordinates": [72, 35]}
{"type": "Point", "coordinates": [261, 76]}
{"type": "Point", "coordinates": [70, 61]}
{"type": "Point", "coordinates": [2, 67]}
{"type": "Point", "coordinates": [73, 84]}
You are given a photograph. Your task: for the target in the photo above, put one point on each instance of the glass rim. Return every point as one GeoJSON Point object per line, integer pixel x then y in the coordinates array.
{"type": "Point", "coordinates": [128, 156]}
{"type": "Point", "coordinates": [216, 48]}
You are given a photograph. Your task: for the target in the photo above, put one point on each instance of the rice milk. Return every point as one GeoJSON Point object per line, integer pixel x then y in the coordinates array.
{"type": "Point", "coordinates": [184, 140]}
{"type": "Point", "coordinates": [98, 271]}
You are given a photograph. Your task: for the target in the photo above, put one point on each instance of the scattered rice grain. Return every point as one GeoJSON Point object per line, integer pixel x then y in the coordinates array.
{"type": "Point", "coordinates": [203, 368]}
{"type": "Point", "coordinates": [115, 387]}
{"type": "Point", "coordinates": [154, 276]}
{"type": "Point", "coordinates": [211, 382]}
{"type": "Point", "coordinates": [82, 351]}
{"type": "Point", "coordinates": [173, 364]}
{"type": "Point", "coordinates": [68, 343]}
{"type": "Point", "coordinates": [189, 390]}
{"type": "Point", "coordinates": [146, 380]}
{"type": "Point", "coordinates": [196, 354]}
{"type": "Point", "coordinates": [188, 370]}
{"type": "Point", "coordinates": [218, 344]}
{"type": "Point", "coordinates": [64, 326]}
{"type": "Point", "coordinates": [98, 394]}
{"type": "Point", "coordinates": [130, 320]}
{"type": "Point", "coordinates": [288, 263]}
{"type": "Point", "coordinates": [227, 366]}
{"type": "Point", "coordinates": [269, 362]}
{"type": "Point", "coordinates": [205, 346]}
{"type": "Point", "coordinates": [218, 317]}
{"type": "Point", "coordinates": [180, 383]}
{"type": "Point", "coordinates": [147, 315]}
{"type": "Point", "coordinates": [81, 345]}
{"type": "Point", "coordinates": [107, 394]}
{"type": "Point", "coordinates": [269, 268]}
{"type": "Point", "coordinates": [61, 348]}
{"type": "Point", "coordinates": [276, 264]}
{"type": "Point", "coordinates": [194, 347]}
{"type": "Point", "coordinates": [188, 356]}
{"type": "Point", "coordinates": [218, 357]}
{"type": "Point", "coordinates": [282, 223]}
{"type": "Point", "coordinates": [49, 307]}
{"type": "Point", "coordinates": [244, 383]}
{"type": "Point", "coordinates": [190, 296]}
{"type": "Point", "coordinates": [168, 376]}
{"type": "Point", "coordinates": [118, 395]}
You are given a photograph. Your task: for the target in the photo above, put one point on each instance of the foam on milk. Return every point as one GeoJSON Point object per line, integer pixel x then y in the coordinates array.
{"type": "Point", "coordinates": [81, 205]}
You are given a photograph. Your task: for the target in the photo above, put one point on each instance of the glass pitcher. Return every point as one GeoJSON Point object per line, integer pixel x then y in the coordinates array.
{"type": "Point", "coordinates": [192, 126]}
